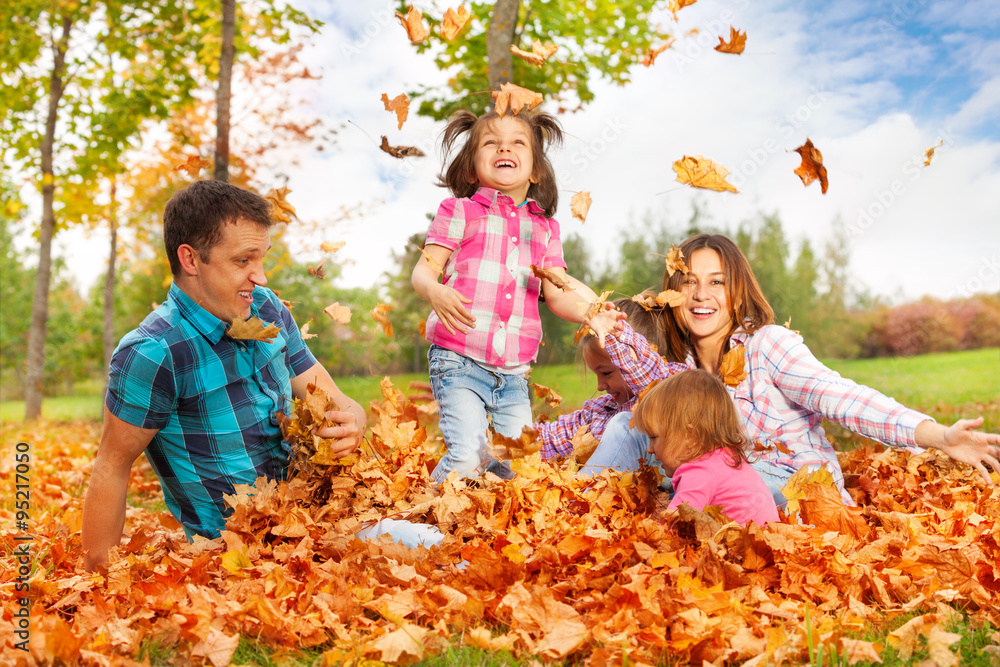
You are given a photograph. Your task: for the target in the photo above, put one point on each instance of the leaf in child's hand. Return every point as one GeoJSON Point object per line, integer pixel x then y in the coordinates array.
{"type": "Point", "coordinates": [651, 53]}
{"type": "Point", "coordinates": [338, 313]}
{"type": "Point", "coordinates": [252, 329]}
{"type": "Point", "coordinates": [332, 246]}
{"type": "Point", "coordinates": [515, 98]}
{"type": "Point", "coordinates": [380, 314]}
{"type": "Point", "coordinates": [546, 274]}
{"type": "Point", "coordinates": [731, 368]}
{"type": "Point", "coordinates": [580, 205]}
{"type": "Point", "coordinates": [400, 104]}
{"type": "Point", "coordinates": [413, 22]}
{"type": "Point", "coordinates": [514, 448]}
{"type": "Point", "coordinates": [435, 266]}
{"type": "Point", "coordinates": [677, 5]}
{"type": "Point", "coordinates": [539, 52]}
{"type": "Point", "coordinates": [929, 153]}
{"type": "Point", "coordinates": [193, 165]}
{"type": "Point", "coordinates": [700, 172]}
{"type": "Point", "coordinates": [281, 210]}
{"type": "Point", "coordinates": [318, 271]}
{"type": "Point", "coordinates": [675, 261]}
{"type": "Point", "coordinates": [588, 312]}
{"type": "Point", "coordinates": [453, 22]}
{"type": "Point", "coordinates": [304, 331]}
{"type": "Point", "coordinates": [812, 165]}
{"type": "Point", "coordinates": [737, 42]}
{"type": "Point", "coordinates": [400, 151]}
{"type": "Point", "coordinates": [547, 394]}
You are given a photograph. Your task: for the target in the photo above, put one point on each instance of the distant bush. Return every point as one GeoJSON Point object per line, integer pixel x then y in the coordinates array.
{"type": "Point", "coordinates": [930, 325]}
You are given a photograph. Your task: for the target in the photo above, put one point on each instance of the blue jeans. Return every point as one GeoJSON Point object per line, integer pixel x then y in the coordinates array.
{"type": "Point", "coordinates": [466, 393]}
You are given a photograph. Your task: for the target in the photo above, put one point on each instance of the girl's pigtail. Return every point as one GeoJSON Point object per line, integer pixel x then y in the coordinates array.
{"type": "Point", "coordinates": [459, 174]}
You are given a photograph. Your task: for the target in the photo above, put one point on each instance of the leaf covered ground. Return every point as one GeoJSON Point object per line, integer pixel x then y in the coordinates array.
{"type": "Point", "coordinates": [547, 565]}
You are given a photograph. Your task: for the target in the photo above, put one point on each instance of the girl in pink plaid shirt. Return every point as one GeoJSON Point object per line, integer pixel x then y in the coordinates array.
{"type": "Point", "coordinates": [477, 273]}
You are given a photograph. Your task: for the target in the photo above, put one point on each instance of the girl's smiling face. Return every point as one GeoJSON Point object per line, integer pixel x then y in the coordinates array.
{"type": "Point", "coordinates": [609, 377]}
{"type": "Point", "coordinates": [706, 313]}
{"type": "Point", "coordinates": [504, 159]}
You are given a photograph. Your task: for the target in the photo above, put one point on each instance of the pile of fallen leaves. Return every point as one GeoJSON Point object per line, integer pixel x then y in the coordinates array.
{"type": "Point", "coordinates": [547, 564]}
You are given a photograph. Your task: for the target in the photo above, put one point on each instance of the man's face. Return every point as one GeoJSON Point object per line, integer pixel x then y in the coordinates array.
{"type": "Point", "coordinates": [224, 284]}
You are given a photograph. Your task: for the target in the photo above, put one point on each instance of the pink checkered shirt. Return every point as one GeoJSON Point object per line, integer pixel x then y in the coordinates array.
{"type": "Point", "coordinates": [640, 365]}
{"type": "Point", "coordinates": [787, 393]}
{"type": "Point", "coordinates": [493, 244]}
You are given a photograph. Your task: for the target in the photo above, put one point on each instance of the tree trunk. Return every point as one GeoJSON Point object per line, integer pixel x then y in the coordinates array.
{"type": "Point", "coordinates": [499, 38]}
{"type": "Point", "coordinates": [226, 57]}
{"type": "Point", "coordinates": [35, 375]}
{"type": "Point", "coordinates": [109, 285]}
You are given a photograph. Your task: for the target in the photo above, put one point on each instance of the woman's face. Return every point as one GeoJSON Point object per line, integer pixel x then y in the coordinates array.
{"type": "Point", "coordinates": [706, 313]}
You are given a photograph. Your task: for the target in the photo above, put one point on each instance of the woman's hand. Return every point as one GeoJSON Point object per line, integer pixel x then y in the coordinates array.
{"type": "Point", "coordinates": [962, 442]}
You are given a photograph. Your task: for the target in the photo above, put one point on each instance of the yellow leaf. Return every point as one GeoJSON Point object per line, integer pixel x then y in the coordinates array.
{"type": "Point", "coordinates": [580, 205]}
{"type": "Point", "coordinates": [338, 313]}
{"type": "Point", "coordinates": [252, 329]}
{"type": "Point", "coordinates": [515, 98]}
{"type": "Point", "coordinates": [700, 172]}
{"type": "Point", "coordinates": [234, 561]}
{"type": "Point", "coordinates": [453, 22]}
{"type": "Point", "coordinates": [929, 153]}
{"type": "Point", "coordinates": [793, 488]}
{"type": "Point", "coordinates": [731, 368]}
{"type": "Point", "coordinates": [677, 5]}
{"type": "Point", "coordinates": [281, 210]}
{"type": "Point", "coordinates": [332, 246]}
{"type": "Point", "coordinates": [380, 314]}
{"type": "Point", "coordinates": [413, 22]}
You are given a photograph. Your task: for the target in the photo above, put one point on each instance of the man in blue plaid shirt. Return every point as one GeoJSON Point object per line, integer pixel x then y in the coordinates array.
{"type": "Point", "coordinates": [201, 404]}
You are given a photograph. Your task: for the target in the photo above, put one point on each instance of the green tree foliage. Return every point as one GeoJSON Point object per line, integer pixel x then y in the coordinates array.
{"type": "Point", "coordinates": [602, 38]}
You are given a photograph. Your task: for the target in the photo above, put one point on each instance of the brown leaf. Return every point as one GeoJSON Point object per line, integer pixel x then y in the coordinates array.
{"type": "Point", "coordinates": [437, 268]}
{"type": "Point", "coordinates": [650, 57]}
{"type": "Point", "coordinates": [546, 274]}
{"type": "Point", "coordinates": [823, 507]}
{"type": "Point", "coordinates": [675, 261]}
{"type": "Point", "coordinates": [281, 210]}
{"type": "Point", "coordinates": [580, 205]}
{"type": "Point", "coordinates": [677, 5]}
{"type": "Point", "coordinates": [929, 153]}
{"type": "Point", "coordinates": [338, 313]}
{"type": "Point", "coordinates": [515, 98]}
{"type": "Point", "coordinates": [514, 448]}
{"type": "Point", "coordinates": [400, 104]}
{"type": "Point", "coordinates": [380, 313]}
{"type": "Point", "coordinates": [546, 393]}
{"type": "Point", "coordinates": [304, 331]}
{"type": "Point", "coordinates": [400, 151]}
{"type": "Point", "coordinates": [332, 246]}
{"type": "Point", "coordinates": [252, 329]}
{"type": "Point", "coordinates": [539, 53]}
{"type": "Point", "coordinates": [731, 368]}
{"type": "Point", "coordinates": [318, 271]}
{"type": "Point", "coordinates": [453, 22]}
{"type": "Point", "coordinates": [193, 165]}
{"type": "Point", "coordinates": [413, 22]}
{"type": "Point", "coordinates": [671, 298]}
{"type": "Point", "coordinates": [812, 165]}
{"type": "Point", "coordinates": [588, 312]}
{"type": "Point", "coordinates": [737, 42]}
{"type": "Point", "coordinates": [700, 172]}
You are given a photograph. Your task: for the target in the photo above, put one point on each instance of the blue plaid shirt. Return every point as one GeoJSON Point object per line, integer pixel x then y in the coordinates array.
{"type": "Point", "coordinates": [212, 398]}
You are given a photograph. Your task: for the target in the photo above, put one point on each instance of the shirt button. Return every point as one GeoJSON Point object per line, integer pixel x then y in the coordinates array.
{"type": "Point", "coordinates": [513, 239]}
{"type": "Point", "coordinates": [513, 214]}
{"type": "Point", "coordinates": [508, 296]}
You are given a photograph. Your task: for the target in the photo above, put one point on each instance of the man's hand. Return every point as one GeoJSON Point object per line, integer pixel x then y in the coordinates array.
{"type": "Point", "coordinates": [347, 434]}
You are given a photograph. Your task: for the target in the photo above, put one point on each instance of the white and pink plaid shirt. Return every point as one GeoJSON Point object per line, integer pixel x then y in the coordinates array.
{"type": "Point", "coordinates": [493, 244]}
{"type": "Point", "coordinates": [787, 393]}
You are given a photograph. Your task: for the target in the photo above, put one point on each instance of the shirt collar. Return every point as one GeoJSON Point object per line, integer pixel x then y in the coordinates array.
{"type": "Point", "coordinates": [204, 322]}
{"type": "Point", "coordinates": [489, 196]}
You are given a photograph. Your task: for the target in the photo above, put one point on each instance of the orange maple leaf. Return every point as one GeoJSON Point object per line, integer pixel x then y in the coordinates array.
{"type": "Point", "coordinates": [380, 313]}
{"type": "Point", "coordinates": [737, 42]}
{"type": "Point", "coordinates": [588, 312]}
{"type": "Point", "coordinates": [435, 266]}
{"type": "Point", "coordinates": [338, 313]}
{"type": "Point", "coordinates": [700, 172]}
{"type": "Point", "coordinates": [651, 53]}
{"type": "Point", "coordinates": [545, 274]}
{"type": "Point", "coordinates": [400, 151]}
{"type": "Point", "coordinates": [580, 205]}
{"type": "Point", "coordinates": [539, 52]}
{"type": "Point", "coordinates": [304, 331]}
{"type": "Point", "coordinates": [193, 165]}
{"type": "Point", "coordinates": [413, 22]}
{"type": "Point", "coordinates": [812, 165]}
{"type": "Point", "coordinates": [546, 393]}
{"type": "Point", "coordinates": [504, 447]}
{"type": "Point", "coordinates": [677, 5]}
{"type": "Point", "coordinates": [318, 271]}
{"type": "Point", "coordinates": [515, 98]}
{"type": "Point", "coordinates": [675, 261]}
{"type": "Point", "coordinates": [400, 104]}
{"type": "Point", "coordinates": [929, 153]}
{"type": "Point", "coordinates": [281, 210]}
{"type": "Point", "coordinates": [332, 246]}
{"type": "Point", "coordinates": [453, 22]}
{"type": "Point", "coordinates": [731, 368]}
{"type": "Point", "coordinates": [252, 329]}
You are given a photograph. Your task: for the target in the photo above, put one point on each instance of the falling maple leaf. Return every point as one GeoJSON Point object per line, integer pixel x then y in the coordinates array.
{"type": "Point", "coordinates": [332, 246]}
{"type": "Point", "coordinates": [338, 313]}
{"type": "Point", "coordinates": [589, 311]}
{"type": "Point", "coordinates": [675, 261]}
{"type": "Point", "coordinates": [737, 42]}
{"type": "Point", "coordinates": [546, 393]}
{"type": "Point", "coordinates": [515, 98]}
{"type": "Point", "coordinates": [650, 57]}
{"type": "Point", "coordinates": [400, 151]}
{"type": "Point", "coordinates": [422, 328]}
{"type": "Point", "coordinates": [413, 22]}
{"type": "Point", "coordinates": [304, 331]}
{"type": "Point", "coordinates": [400, 104]}
{"type": "Point", "coordinates": [677, 5]}
{"type": "Point", "coordinates": [252, 329]}
{"type": "Point", "coordinates": [193, 165]}
{"type": "Point", "coordinates": [812, 165]}
{"type": "Point", "coordinates": [731, 368]}
{"type": "Point", "coordinates": [671, 298]}
{"type": "Point", "coordinates": [700, 172]}
{"type": "Point", "coordinates": [318, 271]}
{"type": "Point", "coordinates": [453, 22]}
{"type": "Point", "coordinates": [380, 313]}
{"type": "Point", "coordinates": [580, 205]}
{"type": "Point", "coordinates": [281, 210]}
{"type": "Point", "coordinates": [435, 266]}
{"type": "Point", "coordinates": [539, 53]}
{"type": "Point", "coordinates": [546, 274]}
{"type": "Point", "coordinates": [929, 153]}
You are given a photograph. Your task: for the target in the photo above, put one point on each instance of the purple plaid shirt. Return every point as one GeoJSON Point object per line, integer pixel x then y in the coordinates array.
{"type": "Point", "coordinates": [493, 244]}
{"type": "Point", "coordinates": [640, 365]}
